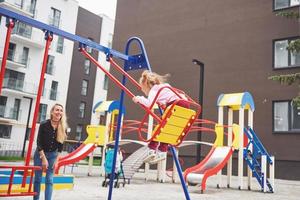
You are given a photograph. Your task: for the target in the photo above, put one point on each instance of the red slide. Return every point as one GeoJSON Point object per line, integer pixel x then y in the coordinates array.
{"type": "Point", "coordinates": [80, 153]}
{"type": "Point", "coordinates": [210, 165]}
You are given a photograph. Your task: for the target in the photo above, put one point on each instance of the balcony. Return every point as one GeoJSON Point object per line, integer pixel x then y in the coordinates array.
{"type": "Point", "coordinates": [13, 85]}
{"type": "Point", "coordinates": [23, 7]}
{"type": "Point", "coordinates": [16, 61]}
{"type": "Point", "coordinates": [27, 35]}
{"type": "Point", "coordinates": [10, 113]}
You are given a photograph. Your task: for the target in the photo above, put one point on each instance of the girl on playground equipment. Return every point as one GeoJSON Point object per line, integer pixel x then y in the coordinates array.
{"type": "Point", "coordinates": [151, 83]}
{"type": "Point", "coordinates": [50, 139]}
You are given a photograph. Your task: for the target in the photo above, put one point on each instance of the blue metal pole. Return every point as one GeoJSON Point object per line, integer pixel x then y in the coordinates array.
{"type": "Point", "coordinates": [179, 170]}
{"type": "Point", "coordinates": [117, 136]}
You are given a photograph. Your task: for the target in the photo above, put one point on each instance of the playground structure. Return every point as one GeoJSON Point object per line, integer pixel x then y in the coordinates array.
{"type": "Point", "coordinates": [131, 62]}
{"type": "Point", "coordinates": [250, 147]}
{"type": "Point", "coordinates": [215, 160]}
{"type": "Point", "coordinates": [241, 139]}
{"type": "Point", "coordinates": [172, 127]}
{"type": "Point", "coordinates": [95, 138]}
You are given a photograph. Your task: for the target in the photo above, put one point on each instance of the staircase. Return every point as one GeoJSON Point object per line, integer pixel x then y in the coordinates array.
{"type": "Point", "coordinates": [134, 162]}
{"type": "Point", "coordinates": [253, 156]}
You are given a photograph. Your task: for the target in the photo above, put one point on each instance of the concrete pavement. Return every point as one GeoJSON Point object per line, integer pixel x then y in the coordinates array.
{"type": "Point", "coordinates": [89, 188]}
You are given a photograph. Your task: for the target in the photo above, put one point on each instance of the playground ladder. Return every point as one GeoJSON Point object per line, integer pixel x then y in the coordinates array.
{"type": "Point", "coordinates": [133, 162]}
{"type": "Point", "coordinates": [252, 159]}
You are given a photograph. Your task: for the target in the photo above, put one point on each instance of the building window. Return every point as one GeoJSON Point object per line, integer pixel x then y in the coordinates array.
{"type": "Point", "coordinates": [286, 117]}
{"type": "Point", "coordinates": [5, 131]}
{"type": "Point", "coordinates": [81, 109]}
{"type": "Point", "coordinates": [90, 49]}
{"type": "Point", "coordinates": [281, 4]}
{"type": "Point", "coordinates": [78, 132]}
{"type": "Point", "coordinates": [54, 19]}
{"type": "Point", "coordinates": [24, 58]}
{"type": "Point", "coordinates": [32, 6]}
{"type": "Point", "coordinates": [105, 83]}
{"type": "Point", "coordinates": [14, 112]}
{"type": "Point", "coordinates": [60, 44]}
{"type": "Point", "coordinates": [11, 51]}
{"type": "Point", "coordinates": [14, 80]}
{"type": "Point", "coordinates": [84, 87]}
{"type": "Point", "coordinates": [3, 101]}
{"type": "Point", "coordinates": [284, 58]}
{"type": "Point", "coordinates": [44, 90]}
{"type": "Point", "coordinates": [53, 92]}
{"type": "Point", "coordinates": [87, 66]}
{"type": "Point", "coordinates": [50, 65]}
{"type": "Point", "coordinates": [42, 113]}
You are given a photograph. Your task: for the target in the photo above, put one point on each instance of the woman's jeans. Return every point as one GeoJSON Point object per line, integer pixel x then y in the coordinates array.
{"type": "Point", "coordinates": [51, 157]}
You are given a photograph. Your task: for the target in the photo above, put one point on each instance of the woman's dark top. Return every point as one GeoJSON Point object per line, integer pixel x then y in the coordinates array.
{"type": "Point", "coordinates": [46, 139]}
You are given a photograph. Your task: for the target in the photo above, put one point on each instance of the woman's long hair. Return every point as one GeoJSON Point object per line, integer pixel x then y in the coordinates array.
{"type": "Point", "coordinates": [62, 125]}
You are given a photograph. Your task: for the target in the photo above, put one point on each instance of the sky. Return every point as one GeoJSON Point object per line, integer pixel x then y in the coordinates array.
{"type": "Point", "coordinates": [107, 7]}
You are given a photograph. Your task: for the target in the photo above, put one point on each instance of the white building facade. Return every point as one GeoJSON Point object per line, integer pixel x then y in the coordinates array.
{"type": "Point", "coordinates": [23, 68]}
{"type": "Point", "coordinates": [101, 83]}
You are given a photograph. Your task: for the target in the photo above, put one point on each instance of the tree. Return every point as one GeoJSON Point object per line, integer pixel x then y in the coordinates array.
{"type": "Point", "coordinates": [293, 47]}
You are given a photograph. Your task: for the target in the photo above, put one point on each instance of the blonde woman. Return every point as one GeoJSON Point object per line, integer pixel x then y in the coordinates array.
{"type": "Point", "coordinates": [151, 83]}
{"type": "Point", "coordinates": [50, 139]}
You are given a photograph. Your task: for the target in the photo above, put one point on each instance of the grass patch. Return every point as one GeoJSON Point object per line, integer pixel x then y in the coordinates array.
{"type": "Point", "coordinates": [96, 161]}
{"type": "Point", "coordinates": [11, 158]}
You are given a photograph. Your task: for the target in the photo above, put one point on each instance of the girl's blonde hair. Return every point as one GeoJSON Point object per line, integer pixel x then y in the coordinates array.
{"type": "Point", "coordinates": [151, 78]}
{"type": "Point", "coordinates": [62, 125]}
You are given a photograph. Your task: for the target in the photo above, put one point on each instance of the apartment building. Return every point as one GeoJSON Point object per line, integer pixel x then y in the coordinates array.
{"type": "Point", "coordinates": [241, 43]}
{"type": "Point", "coordinates": [88, 84]}
{"type": "Point", "coordinates": [26, 50]}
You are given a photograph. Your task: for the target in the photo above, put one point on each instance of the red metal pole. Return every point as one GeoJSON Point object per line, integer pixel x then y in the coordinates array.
{"type": "Point", "coordinates": [83, 51]}
{"type": "Point", "coordinates": [11, 178]}
{"type": "Point", "coordinates": [49, 38]}
{"type": "Point", "coordinates": [10, 27]}
{"type": "Point", "coordinates": [127, 91]}
{"type": "Point", "coordinates": [125, 73]}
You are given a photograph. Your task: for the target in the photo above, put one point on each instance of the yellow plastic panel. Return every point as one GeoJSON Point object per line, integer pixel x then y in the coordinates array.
{"type": "Point", "coordinates": [96, 134]}
{"type": "Point", "coordinates": [236, 132]}
{"type": "Point", "coordinates": [183, 112]}
{"type": "Point", "coordinates": [219, 129]}
{"type": "Point", "coordinates": [167, 138]}
{"type": "Point", "coordinates": [172, 130]}
{"type": "Point", "coordinates": [175, 125]}
{"type": "Point", "coordinates": [177, 121]}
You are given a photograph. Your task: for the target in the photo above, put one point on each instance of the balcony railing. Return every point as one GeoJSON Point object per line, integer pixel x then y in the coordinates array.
{"type": "Point", "coordinates": [26, 7]}
{"type": "Point", "coordinates": [10, 112]}
{"type": "Point", "coordinates": [28, 35]}
{"type": "Point", "coordinates": [17, 58]}
{"type": "Point", "coordinates": [22, 30]}
{"type": "Point", "coordinates": [20, 85]}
